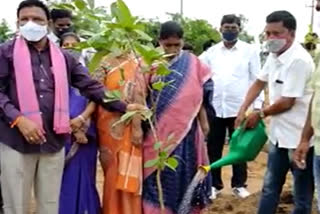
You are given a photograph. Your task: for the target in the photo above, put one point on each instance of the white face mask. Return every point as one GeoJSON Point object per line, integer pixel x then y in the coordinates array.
{"type": "Point", "coordinates": [275, 45]}
{"type": "Point", "coordinates": [33, 32]}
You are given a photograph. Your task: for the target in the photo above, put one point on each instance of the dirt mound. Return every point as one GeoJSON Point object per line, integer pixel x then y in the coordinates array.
{"type": "Point", "coordinates": [227, 204]}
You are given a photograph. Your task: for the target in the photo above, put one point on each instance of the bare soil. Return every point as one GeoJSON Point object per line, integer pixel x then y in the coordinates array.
{"type": "Point", "coordinates": [226, 203]}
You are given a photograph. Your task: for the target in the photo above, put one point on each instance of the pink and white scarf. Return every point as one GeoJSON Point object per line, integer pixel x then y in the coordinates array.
{"type": "Point", "coordinates": [27, 96]}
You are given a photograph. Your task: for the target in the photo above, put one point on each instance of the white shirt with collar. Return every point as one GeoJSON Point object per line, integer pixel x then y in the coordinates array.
{"type": "Point", "coordinates": [86, 54]}
{"type": "Point", "coordinates": [289, 75]}
{"type": "Point", "coordinates": [53, 38]}
{"type": "Point", "coordinates": [234, 70]}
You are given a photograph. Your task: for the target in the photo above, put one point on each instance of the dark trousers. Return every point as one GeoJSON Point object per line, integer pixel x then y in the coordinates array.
{"type": "Point", "coordinates": [279, 163]}
{"type": "Point", "coordinates": [216, 141]}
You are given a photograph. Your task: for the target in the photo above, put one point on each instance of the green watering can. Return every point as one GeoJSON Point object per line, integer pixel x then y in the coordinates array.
{"type": "Point", "coordinates": [245, 145]}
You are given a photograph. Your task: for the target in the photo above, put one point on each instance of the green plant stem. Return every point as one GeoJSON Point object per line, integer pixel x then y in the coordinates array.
{"type": "Point", "coordinates": [154, 133]}
{"type": "Point", "coordinates": [160, 191]}
{"type": "Point", "coordinates": [153, 130]}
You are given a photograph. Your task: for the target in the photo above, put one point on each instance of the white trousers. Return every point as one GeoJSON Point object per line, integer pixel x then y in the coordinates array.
{"type": "Point", "coordinates": [20, 172]}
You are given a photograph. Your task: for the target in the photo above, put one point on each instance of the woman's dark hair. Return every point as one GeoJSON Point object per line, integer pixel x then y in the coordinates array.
{"type": "Point", "coordinates": [69, 34]}
{"type": "Point", "coordinates": [285, 17]}
{"type": "Point", "coordinates": [33, 3]}
{"type": "Point", "coordinates": [60, 14]}
{"type": "Point", "coordinates": [230, 19]}
{"type": "Point", "coordinates": [170, 29]}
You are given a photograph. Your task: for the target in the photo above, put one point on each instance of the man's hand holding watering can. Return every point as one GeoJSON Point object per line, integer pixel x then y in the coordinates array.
{"type": "Point", "coordinates": [251, 120]}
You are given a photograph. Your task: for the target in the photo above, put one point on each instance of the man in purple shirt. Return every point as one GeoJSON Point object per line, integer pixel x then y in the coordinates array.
{"type": "Point", "coordinates": [31, 155]}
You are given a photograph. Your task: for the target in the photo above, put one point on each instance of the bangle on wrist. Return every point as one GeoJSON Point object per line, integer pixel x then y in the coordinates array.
{"type": "Point", "coordinates": [15, 122]}
{"type": "Point", "coordinates": [82, 118]}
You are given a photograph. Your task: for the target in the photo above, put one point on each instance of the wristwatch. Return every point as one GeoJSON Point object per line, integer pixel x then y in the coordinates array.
{"type": "Point", "coordinates": [261, 114]}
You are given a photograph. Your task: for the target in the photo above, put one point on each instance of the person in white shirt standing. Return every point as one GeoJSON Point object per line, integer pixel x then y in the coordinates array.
{"type": "Point", "coordinates": [287, 72]}
{"type": "Point", "coordinates": [235, 66]}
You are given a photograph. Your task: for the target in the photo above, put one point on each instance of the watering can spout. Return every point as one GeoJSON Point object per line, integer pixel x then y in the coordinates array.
{"type": "Point", "coordinates": [245, 145]}
{"type": "Point", "coordinates": [229, 159]}
{"type": "Point", "coordinates": [206, 169]}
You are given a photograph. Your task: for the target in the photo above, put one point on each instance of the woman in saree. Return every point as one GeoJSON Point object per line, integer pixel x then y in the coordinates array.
{"type": "Point", "coordinates": [78, 191]}
{"type": "Point", "coordinates": [121, 145]}
{"type": "Point", "coordinates": [177, 114]}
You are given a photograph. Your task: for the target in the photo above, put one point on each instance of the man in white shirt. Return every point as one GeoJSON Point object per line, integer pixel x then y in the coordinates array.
{"type": "Point", "coordinates": [235, 66]}
{"type": "Point", "coordinates": [287, 73]}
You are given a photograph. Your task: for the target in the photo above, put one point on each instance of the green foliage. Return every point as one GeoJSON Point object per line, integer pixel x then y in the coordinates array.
{"type": "Point", "coordinates": [5, 31]}
{"type": "Point", "coordinates": [148, 53]}
{"type": "Point", "coordinates": [152, 27]}
{"type": "Point", "coordinates": [162, 71]}
{"type": "Point", "coordinates": [172, 163]}
{"type": "Point", "coordinates": [160, 85]}
{"type": "Point", "coordinates": [116, 34]}
{"type": "Point", "coordinates": [87, 19]}
{"type": "Point", "coordinates": [121, 33]}
{"type": "Point", "coordinates": [121, 12]}
{"type": "Point", "coordinates": [311, 37]}
{"type": "Point", "coordinates": [196, 31]}
{"type": "Point", "coordinates": [112, 95]}
{"type": "Point", "coordinates": [244, 35]}
{"type": "Point", "coordinates": [163, 159]}
{"type": "Point", "coordinates": [109, 34]}
{"type": "Point", "coordinates": [126, 118]}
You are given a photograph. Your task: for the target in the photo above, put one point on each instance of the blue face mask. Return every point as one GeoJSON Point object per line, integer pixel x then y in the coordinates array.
{"type": "Point", "coordinates": [230, 36]}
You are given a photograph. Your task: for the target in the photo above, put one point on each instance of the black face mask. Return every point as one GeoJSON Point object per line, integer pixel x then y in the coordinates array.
{"type": "Point", "coordinates": [62, 31]}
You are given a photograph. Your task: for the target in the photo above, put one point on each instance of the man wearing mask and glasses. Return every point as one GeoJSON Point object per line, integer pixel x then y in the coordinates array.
{"type": "Point", "coordinates": [287, 74]}
{"type": "Point", "coordinates": [235, 65]}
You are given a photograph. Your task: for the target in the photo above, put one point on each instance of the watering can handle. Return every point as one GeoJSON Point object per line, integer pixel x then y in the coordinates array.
{"type": "Point", "coordinates": [241, 129]}
{"type": "Point", "coordinates": [242, 126]}
{"type": "Point", "coordinates": [243, 123]}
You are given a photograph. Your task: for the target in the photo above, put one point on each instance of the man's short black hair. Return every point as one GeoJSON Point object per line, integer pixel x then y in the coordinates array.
{"type": "Point", "coordinates": [285, 17]}
{"type": "Point", "coordinates": [170, 29]}
{"type": "Point", "coordinates": [33, 3]}
{"type": "Point", "coordinates": [60, 14]}
{"type": "Point", "coordinates": [230, 19]}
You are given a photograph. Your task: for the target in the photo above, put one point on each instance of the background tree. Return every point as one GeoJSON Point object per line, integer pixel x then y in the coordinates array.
{"type": "Point", "coordinates": [196, 31]}
{"type": "Point", "coordinates": [87, 18]}
{"type": "Point", "coordinates": [5, 31]}
{"type": "Point", "coordinates": [152, 27]}
{"type": "Point", "coordinates": [244, 35]}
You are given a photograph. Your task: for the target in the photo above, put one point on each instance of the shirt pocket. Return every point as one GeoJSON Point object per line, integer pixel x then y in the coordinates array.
{"type": "Point", "coordinates": [278, 86]}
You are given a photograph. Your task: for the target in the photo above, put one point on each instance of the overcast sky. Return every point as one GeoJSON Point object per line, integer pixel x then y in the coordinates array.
{"type": "Point", "coordinates": [211, 10]}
